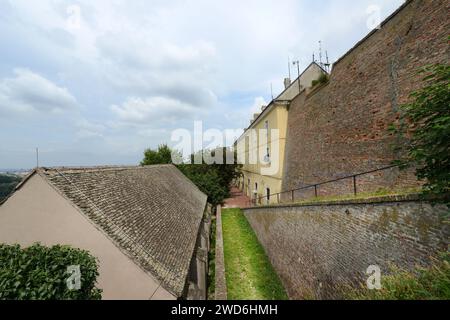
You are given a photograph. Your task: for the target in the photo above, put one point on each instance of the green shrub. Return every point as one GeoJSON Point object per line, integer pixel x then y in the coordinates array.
{"type": "Point", "coordinates": [40, 273]}
{"type": "Point", "coordinates": [321, 80]}
{"type": "Point", "coordinates": [431, 283]}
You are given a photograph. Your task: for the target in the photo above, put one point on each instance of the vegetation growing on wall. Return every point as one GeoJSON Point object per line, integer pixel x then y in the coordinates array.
{"type": "Point", "coordinates": [324, 78]}
{"type": "Point", "coordinates": [425, 123]}
{"type": "Point", "coordinates": [431, 283]}
{"type": "Point", "coordinates": [40, 273]}
{"type": "Point", "coordinates": [424, 132]}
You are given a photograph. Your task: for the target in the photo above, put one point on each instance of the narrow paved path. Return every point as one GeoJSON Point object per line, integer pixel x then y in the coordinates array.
{"type": "Point", "coordinates": [237, 200]}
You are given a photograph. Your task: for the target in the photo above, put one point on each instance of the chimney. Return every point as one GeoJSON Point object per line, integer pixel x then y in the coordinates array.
{"type": "Point", "coordinates": [287, 82]}
{"type": "Point", "coordinates": [263, 108]}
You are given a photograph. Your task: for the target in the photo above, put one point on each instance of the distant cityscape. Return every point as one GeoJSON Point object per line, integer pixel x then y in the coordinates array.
{"type": "Point", "coordinates": [19, 172]}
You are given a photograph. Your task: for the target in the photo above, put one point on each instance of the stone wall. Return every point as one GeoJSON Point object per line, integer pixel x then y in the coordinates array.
{"type": "Point", "coordinates": [341, 128]}
{"type": "Point", "coordinates": [318, 248]}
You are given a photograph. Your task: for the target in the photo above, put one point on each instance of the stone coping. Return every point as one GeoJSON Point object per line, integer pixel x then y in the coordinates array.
{"type": "Point", "coordinates": [221, 284]}
{"type": "Point", "coordinates": [368, 200]}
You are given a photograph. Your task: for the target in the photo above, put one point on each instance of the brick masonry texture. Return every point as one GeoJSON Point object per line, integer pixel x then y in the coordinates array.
{"type": "Point", "coordinates": [341, 128]}
{"type": "Point", "coordinates": [318, 249]}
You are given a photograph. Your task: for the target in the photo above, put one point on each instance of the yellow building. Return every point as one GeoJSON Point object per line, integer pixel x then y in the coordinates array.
{"type": "Point", "coordinates": [261, 148]}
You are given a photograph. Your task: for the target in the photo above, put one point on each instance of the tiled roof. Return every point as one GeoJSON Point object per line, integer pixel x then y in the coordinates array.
{"type": "Point", "coordinates": [152, 213]}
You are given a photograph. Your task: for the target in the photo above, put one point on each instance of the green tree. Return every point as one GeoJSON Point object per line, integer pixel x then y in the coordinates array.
{"type": "Point", "coordinates": [212, 179]}
{"type": "Point", "coordinates": [163, 155]}
{"type": "Point", "coordinates": [7, 184]}
{"type": "Point", "coordinates": [208, 181]}
{"type": "Point", "coordinates": [425, 123]}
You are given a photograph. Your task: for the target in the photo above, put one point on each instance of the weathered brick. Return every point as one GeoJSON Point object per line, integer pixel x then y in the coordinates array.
{"type": "Point", "coordinates": [323, 245]}
{"type": "Point", "coordinates": [342, 128]}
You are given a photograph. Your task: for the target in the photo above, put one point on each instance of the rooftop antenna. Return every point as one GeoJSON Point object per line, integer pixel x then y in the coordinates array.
{"type": "Point", "coordinates": [289, 67]}
{"type": "Point", "coordinates": [37, 157]}
{"type": "Point", "coordinates": [271, 90]}
{"type": "Point", "coordinates": [327, 65]}
{"type": "Point", "coordinates": [314, 57]}
{"type": "Point", "coordinates": [320, 54]}
{"type": "Point", "coordinates": [298, 72]}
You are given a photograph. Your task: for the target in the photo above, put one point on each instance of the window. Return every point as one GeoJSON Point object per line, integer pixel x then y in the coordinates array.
{"type": "Point", "coordinates": [256, 193]}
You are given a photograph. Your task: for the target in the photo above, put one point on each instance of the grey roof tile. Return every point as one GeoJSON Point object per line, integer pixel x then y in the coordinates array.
{"type": "Point", "coordinates": [153, 213]}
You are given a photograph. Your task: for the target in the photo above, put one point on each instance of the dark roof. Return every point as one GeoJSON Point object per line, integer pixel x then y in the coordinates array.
{"type": "Point", "coordinates": [152, 213]}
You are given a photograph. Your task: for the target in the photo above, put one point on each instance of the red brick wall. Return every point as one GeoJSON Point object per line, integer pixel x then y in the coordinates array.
{"type": "Point", "coordinates": [317, 250]}
{"type": "Point", "coordinates": [342, 128]}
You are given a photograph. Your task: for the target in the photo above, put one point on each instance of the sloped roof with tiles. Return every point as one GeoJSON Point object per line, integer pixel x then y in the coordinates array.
{"type": "Point", "coordinates": [152, 213]}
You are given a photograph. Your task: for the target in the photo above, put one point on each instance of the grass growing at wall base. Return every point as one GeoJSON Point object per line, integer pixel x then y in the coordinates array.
{"type": "Point", "coordinates": [432, 283]}
{"type": "Point", "coordinates": [249, 273]}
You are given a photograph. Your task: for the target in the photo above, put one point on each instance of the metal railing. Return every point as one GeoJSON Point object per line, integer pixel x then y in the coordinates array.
{"type": "Point", "coordinates": [258, 200]}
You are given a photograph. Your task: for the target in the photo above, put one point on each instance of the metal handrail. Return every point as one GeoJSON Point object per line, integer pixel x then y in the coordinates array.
{"type": "Point", "coordinates": [315, 186]}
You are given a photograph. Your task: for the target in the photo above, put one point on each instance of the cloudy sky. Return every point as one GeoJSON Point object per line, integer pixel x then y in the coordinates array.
{"type": "Point", "coordinates": [97, 82]}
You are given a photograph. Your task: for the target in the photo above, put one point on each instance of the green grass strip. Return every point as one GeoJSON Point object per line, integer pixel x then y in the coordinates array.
{"type": "Point", "coordinates": [249, 273]}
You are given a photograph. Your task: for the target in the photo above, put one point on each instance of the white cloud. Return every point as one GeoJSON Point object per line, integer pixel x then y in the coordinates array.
{"type": "Point", "coordinates": [257, 105]}
{"type": "Point", "coordinates": [241, 118]}
{"type": "Point", "coordinates": [152, 110]}
{"type": "Point", "coordinates": [29, 92]}
{"type": "Point", "coordinates": [88, 129]}
{"type": "Point", "coordinates": [139, 69]}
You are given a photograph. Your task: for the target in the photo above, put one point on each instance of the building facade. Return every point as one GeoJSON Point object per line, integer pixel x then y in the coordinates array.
{"type": "Point", "coordinates": [261, 149]}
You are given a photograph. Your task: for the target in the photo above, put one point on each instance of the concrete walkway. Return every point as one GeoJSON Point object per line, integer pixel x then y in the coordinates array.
{"type": "Point", "coordinates": [237, 200]}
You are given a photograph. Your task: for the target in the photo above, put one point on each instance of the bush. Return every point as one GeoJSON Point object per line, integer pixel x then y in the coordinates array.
{"type": "Point", "coordinates": [40, 273]}
{"type": "Point", "coordinates": [431, 283]}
